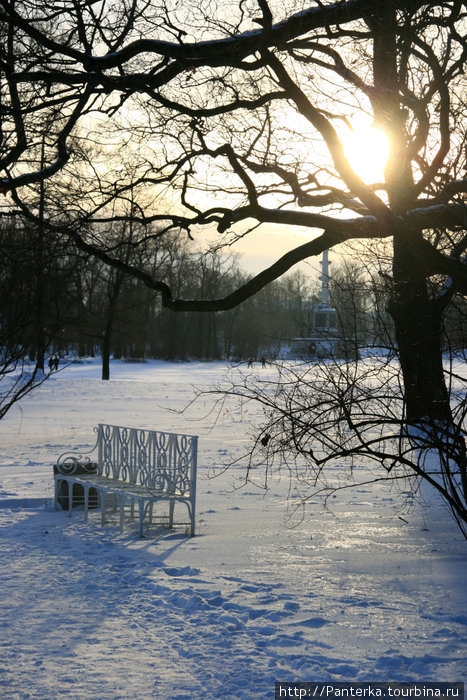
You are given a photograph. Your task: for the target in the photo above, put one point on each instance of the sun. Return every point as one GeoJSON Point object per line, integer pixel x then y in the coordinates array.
{"type": "Point", "coordinates": [367, 149]}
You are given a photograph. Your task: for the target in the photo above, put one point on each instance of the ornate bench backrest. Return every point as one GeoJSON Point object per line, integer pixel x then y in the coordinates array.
{"type": "Point", "coordinates": [161, 461]}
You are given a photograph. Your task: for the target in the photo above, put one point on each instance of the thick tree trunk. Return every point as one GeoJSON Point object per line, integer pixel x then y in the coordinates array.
{"type": "Point", "coordinates": [106, 345]}
{"type": "Point", "coordinates": [107, 339]}
{"type": "Point", "coordinates": [417, 317]}
{"type": "Point", "coordinates": [40, 290]}
{"type": "Point", "coordinates": [418, 327]}
{"type": "Point", "coordinates": [40, 301]}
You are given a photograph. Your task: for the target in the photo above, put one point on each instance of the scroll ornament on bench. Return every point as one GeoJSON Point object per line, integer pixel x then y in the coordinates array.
{"type": "Point", "coordinates": [75, 464]}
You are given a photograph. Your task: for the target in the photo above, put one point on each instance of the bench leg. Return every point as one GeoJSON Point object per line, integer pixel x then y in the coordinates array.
{"type": "Point", "coordinates": [57, 492]}
{"type": "Point", "coordinates": [70, 498]}
{"type": "Point", "coordinates": [141, 517]}
{"type": "Point", "coordinates": [86, 502]}
{"type": "Point", "coordinates": [121, 503]}
{"type": "Point", "coordinates": [171, 512]}
{"type": "Point", "coordinates": [56, 482]}
{"type": "Point", "coordinates": [103, 508]}
{"type": "Point", "coordinates": [192, 521]}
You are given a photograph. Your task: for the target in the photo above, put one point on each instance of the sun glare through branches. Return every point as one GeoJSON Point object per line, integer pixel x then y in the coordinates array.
{"type": "Point", "coordinates": [367, 149]}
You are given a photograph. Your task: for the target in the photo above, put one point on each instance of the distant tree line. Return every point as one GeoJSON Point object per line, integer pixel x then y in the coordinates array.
{"type": "Point", "coordinates": [57, 300]}
{"type": "Point", "coordinates": [65, 301]}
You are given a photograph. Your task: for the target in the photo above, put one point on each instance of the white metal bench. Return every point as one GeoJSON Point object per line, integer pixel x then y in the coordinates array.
{"type": "Point", "coordinates": [136, 466]}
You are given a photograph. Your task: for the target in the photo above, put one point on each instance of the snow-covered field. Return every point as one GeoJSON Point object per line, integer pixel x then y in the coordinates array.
{"type": "Point", "coordinates": [360, 594]}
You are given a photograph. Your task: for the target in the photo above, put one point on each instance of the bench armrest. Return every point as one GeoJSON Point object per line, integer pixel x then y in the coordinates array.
{"type": "Point", "coordinates": [75, 464]}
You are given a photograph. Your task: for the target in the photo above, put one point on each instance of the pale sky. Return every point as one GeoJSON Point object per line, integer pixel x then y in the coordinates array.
{"type": "Point", "coordinates": [263, 247]}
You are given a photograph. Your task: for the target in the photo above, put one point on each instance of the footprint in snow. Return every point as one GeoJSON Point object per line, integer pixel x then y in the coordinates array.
{"type": "Point", "coordinates": [185, 571]}
{"type": "Point", "coordinates": [314, 622]}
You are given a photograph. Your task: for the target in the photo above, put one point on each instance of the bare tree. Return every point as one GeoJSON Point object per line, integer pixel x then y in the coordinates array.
{"type": "Point", "coordinates": [18, 376]}
{"type": "Point", "coordinates": [235, 116]}
{"type": "Point", "coordinates": [334, 424]}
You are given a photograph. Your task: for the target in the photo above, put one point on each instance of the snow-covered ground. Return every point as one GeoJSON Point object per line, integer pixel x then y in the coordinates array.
{"type": "Point", "coordinates": [359, 594]}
